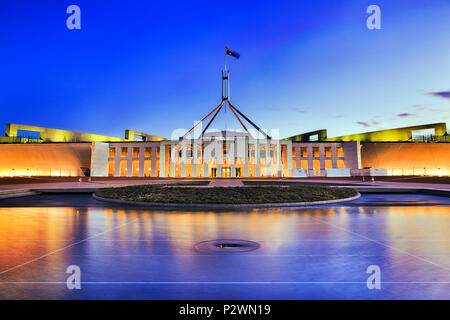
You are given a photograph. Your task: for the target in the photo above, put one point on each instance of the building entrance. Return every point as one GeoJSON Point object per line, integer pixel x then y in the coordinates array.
{"type": "Point", "coordinates": [226, 171]}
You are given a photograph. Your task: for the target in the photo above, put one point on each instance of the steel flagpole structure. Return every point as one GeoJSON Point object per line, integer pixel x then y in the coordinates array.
{"type": "Point", "coordinates": [226, 101]}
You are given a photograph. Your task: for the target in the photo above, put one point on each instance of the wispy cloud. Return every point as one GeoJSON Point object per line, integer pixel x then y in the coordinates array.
{"type": "Point", "coordinates": [362, 123]}
{"type": "Point", "coordinates": [441, 94]}
{"type": "Point", "coordinates": [433, 108]}
{"type": "Point", "coordinates": [405, 114]}
{"type": "Point", "coordinates": [298, 110]}
{"type": "Point", "coordinates": [368, 124]}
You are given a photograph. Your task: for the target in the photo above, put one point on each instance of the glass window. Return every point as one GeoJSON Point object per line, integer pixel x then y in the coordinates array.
{"type": "Point", "coordinates": [273, 151]}
{"type": "Point", "coordinates": [148, 152]}
{"type": "Point", "coordinates": [328, 152]}
{"type": "Point", "coordinates": [124, 152]}
{"type": "Point", "coordinates": [262, 153]}
{"type": "Point", "coordinates": [293, 152]}
{"type": "Point", "coordinates": [112, 152]}
{"type": "Point", "coordinates": [284, 156]}
{"type": "Point", "coordinates": [123, 168]}
{"type": "Point", "coordinates": [316, 153]}
{"type": "Point", "coordinates": [225, 148]}
{"type": "Point", "coordinates": [251, 151]}
{"type": "Point", "coordinates": [135, 152]}
{"type": "Point", "coordinates": [135, 168]}
{"type": "Point", "coordinates": [340, 152]}
{"type": "Point", "coordinates": [304, 164]}
{"type": "Point", "coordinates": [147, 168]}
{"type": "Point", "coordinates": [111, 166]}
{"type": "Point", "coordinates": [304, 152]}
{"type": "Point", "coordinates": [316, 164]}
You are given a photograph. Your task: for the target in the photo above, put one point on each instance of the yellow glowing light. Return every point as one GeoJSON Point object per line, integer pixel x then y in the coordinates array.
{"type": "Point", "coordinates": [438, 172]}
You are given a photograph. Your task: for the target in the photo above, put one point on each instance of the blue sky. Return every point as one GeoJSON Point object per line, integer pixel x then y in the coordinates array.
{"type": "Point", "coordinates": [154, 66]}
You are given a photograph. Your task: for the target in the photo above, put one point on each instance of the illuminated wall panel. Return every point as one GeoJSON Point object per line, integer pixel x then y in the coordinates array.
{"type": "Point", "coordinates": [407, 158]}
{"type": "Point", "coordinates": [65, 159]}
{"type": "Point", "coordinates": [111, 164]}
{"type": "Point", "coordinates": [13, 131]}
{"type": "Point", "coordinates": [397, 134]}
{"type": "Point", "coordinates": [135, 168]}
{"type": "Point", "coordinates": [147, 168]}
{"type": "Point", "coordinates": [123, 168]}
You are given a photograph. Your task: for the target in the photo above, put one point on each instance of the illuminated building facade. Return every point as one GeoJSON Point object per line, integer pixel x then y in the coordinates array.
{"type": "Point", "coordinates": [38, 151]}
{"type": "Point", "coordinates": [229, 156]}
{"type": "Point", "coordinates": [206, 157]}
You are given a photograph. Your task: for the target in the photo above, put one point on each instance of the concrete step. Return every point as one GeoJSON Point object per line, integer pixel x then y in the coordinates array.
{"type": "Point", "coordinates": [8, 194]}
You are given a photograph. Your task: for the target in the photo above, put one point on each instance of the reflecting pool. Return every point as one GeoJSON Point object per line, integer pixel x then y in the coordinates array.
{"type": "Point", "coordinates": [317, 252]}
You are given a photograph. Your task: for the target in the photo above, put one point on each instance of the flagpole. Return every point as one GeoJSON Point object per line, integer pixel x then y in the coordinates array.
{"type": "Point", "coordinates": [225, 74]}
{"type": "Point", "coordinates": [225, 59]}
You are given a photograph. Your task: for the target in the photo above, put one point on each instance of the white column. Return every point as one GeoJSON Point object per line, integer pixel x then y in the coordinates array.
{"type": "Point", "coordinates": [322, 156]}
{"type": "Point", "coordinates": [141, 161]}
{"type": "Point", "coordinates": [233, 158]}
{"type": "Point", "coordinates": [99, 159]}
{"type": "Point", "coordinates": [246, 142]}
{"type": "Point", "coordinates": [162, 159]}
{"type": "Point", "coordinates": [257, 158]}
{"type": "Point", "coordinates": [172, 159]}
{"type": "Point", "coordinates": [352, 154]}
{"type": "Point", "coordinates": [309, 151]}
{"type": "Point", "coordinates": [153, 160]}
{"type": "Point", "coordinates": [183, 159]}
{"type": "Point", "coordinates": [206, 152]}
{"type": "Point", "coordinates": [219, 156]}
{"type": "Point", "coordinates": [333, 156]}
{"type": "Point", "coordinates": [279, 169]}
{"type": "Point", "coordinates": [289, 156]}
{"type": "Point", "coordinates": [129, 161]}
{"type": "Point", "coordinates": [117, 161]}
{"type": "Point", "coordinates": [268, 158]}
{"type": "Point", "coordinates": [298, 157]}
{"type": "Point", "coordinates": [194, 158]}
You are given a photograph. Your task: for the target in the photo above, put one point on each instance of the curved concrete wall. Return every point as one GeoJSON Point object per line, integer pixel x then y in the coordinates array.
{"type": "Point", "coordinates": [44, 159]}
{"type": "Point", "coordinates": [423, 158]}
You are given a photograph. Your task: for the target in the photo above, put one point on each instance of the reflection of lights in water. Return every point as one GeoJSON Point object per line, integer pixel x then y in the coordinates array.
{"type": "Point", "coordinates": [296, 244]}
{"type": "Point", "coordinates": [407, 226]}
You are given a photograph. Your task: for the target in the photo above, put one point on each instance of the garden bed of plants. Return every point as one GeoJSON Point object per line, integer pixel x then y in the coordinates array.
{"type": "Point", "coordinates": [226, 195]}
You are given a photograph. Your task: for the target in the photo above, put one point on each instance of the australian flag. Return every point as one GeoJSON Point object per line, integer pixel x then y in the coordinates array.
{"type": "Point", "coordinates": [232, 53]}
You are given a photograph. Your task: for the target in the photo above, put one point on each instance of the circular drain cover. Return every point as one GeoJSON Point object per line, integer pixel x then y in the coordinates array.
{"type": "Point", "coordinates": [226, 246]}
